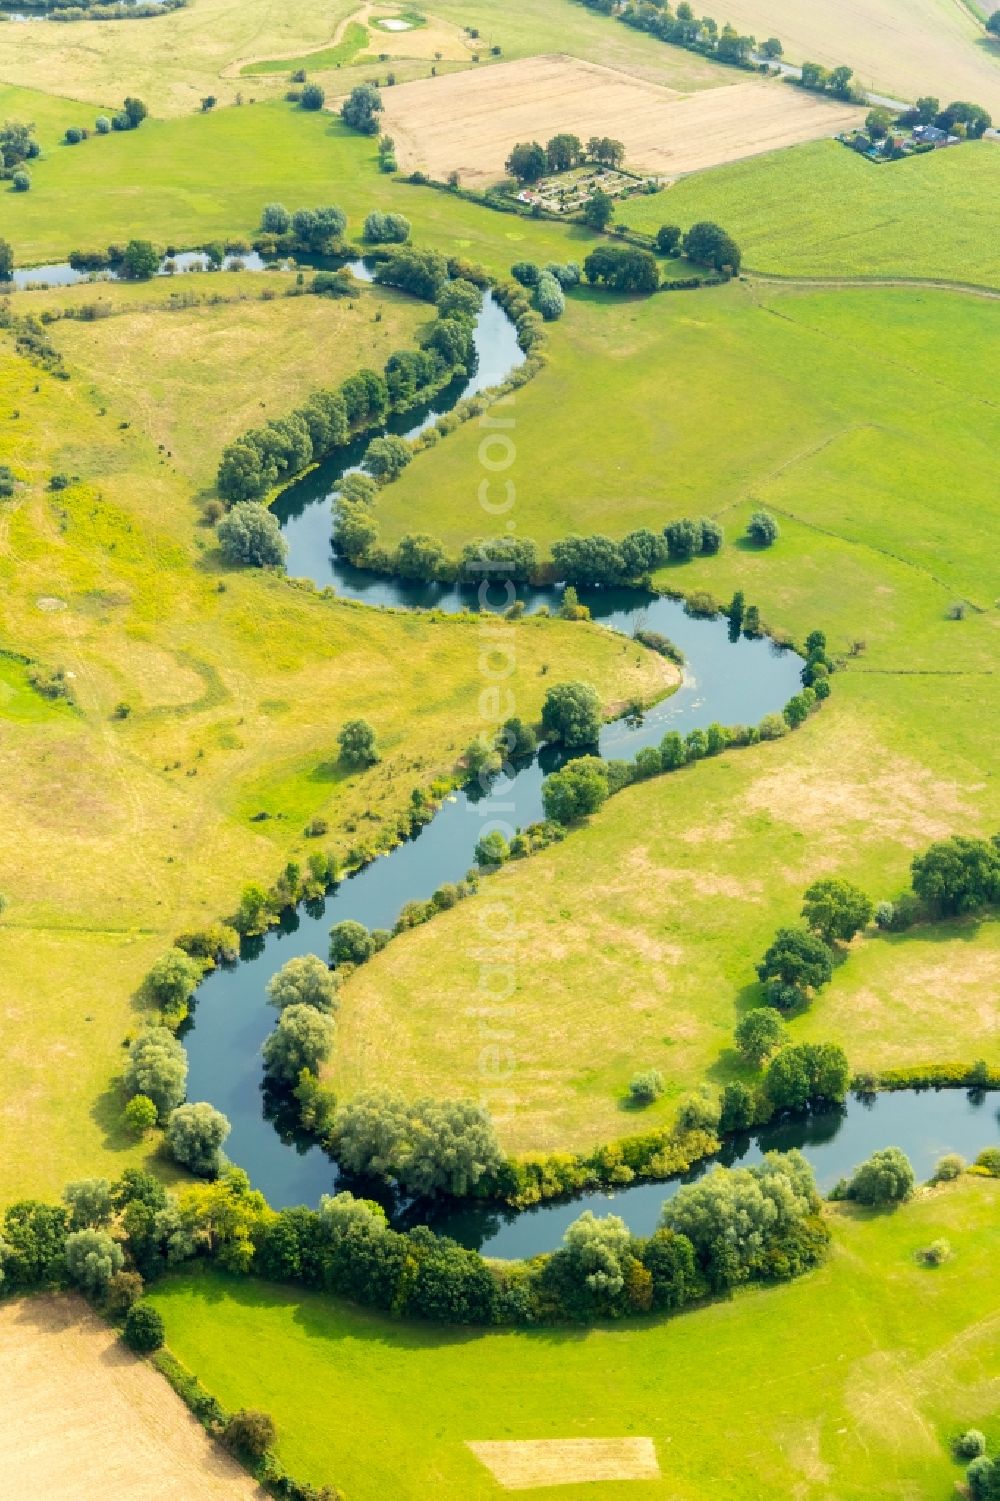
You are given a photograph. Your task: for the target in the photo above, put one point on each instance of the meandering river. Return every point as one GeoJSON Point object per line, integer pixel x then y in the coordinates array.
{"type": "Point", "coordinates": [727, 681]}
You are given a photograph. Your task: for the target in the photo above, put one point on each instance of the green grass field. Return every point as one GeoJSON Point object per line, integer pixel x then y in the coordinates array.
{"type": "Point", "coordinates": [849, 1383]}
{"type": "Point", "coordinates": [808, 389]}
{"type": "Point", "coordinates": [355, 37]}
{"type": "Point", "coordinates": [819, 210]}
{"type": "Point", "coordinates": [209, 176]}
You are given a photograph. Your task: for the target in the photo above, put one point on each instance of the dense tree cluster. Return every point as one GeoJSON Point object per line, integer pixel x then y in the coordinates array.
{"type": "Point", "coordinates": [958, 875]}
{"type": "Point", "coordinates": [680, 26]}
{"type": "Point", "coordinates": [425, 1146]}
{"type": "Point", "coordinates": [386, 229]}
{"type": "Point", "coordinates": [622, 268]}
{"type": "Point", "coordinates": [707, 244]}
{"type": "Point", "coordinates": [571, 714]}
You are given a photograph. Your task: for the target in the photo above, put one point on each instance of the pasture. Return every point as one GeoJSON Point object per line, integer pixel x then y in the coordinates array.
{"type": "Point", "coordinates": [469, 123]}
{"type": "Point", "coordinates": [850, 1382]}
{"type": "Point", "coordinates": [786, 210]}
{"type": "Point", "coordinates": [83, 1416]}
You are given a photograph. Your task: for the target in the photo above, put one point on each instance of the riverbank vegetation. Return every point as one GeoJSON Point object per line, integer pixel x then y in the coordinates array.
{"type": "Point", "coordinates": [856, 1346]}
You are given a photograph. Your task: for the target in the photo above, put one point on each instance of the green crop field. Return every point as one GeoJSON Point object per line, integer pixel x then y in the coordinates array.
{"type": "Point", "coordinates": [820, 210]}
{"type": "Point", "coordinates": [849, 1383]}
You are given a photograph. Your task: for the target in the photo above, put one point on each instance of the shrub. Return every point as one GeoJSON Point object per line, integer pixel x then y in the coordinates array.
{"type": "Point", "coordinates": [140, 1114]}
{"type": "Point", "coordinates": [937, 1253]}
{"type": "Point", "coordinates": [123, 1290]}
{"type": "Point", "coordinates": [195, 1134]}
{"type": "Point", "coordinates": [350, 943]}
{"type": "Point", "coordinates": [143, 1331]}
{"type": "Point", "coordinates": [358, 743]}
{"type": "Point", "coordinates": [886, 1178]}
{"type": "Point", "coordinates": [970, 1444]}
{"type": "Point", "coordinates": [102, 125]}
{"type": "Point", "coordinates": [950, 1166]}
{"type": "Point", "coordinates": [762, 529]}
{"type": "Point", "coordinates": [988, 1161]}
{"type": "Point", "coordinates": [312, 97]}
{"type": "Point", "coordinates": [884, 914]}
{"type": "Point", "coordinates": [492, 849]}
{"type": "Point", "coordinates": [250, 1432]}
{"type": "Point", "coordinates": [72, 135]}
{"type": "Point", "coordinates": [275, 219]}
{"type": "Point", "coordinates": [20, 181]}
{"type": "Point", "coordinates": [250, 534]}
{"type": "Point", "coordinates": [645, 1087]}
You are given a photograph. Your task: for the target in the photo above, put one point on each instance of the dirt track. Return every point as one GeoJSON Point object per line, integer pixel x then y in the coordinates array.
{"type": "Point", "coordinates": [81, 1419]}
{"type": "Point", "coordinates": [469, 121]}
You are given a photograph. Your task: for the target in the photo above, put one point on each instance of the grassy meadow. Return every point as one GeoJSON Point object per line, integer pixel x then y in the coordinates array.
{"type": "Point", "coordinates": [820, 210]}
{"type": "Point", "coordinates": [809, 389]}
{"type": "Point", "coordinates": [236, 682]}
{"type": "Point", "coordinates": [849, 1383]}
{"type": "Point", "coordinates": [192, 378]}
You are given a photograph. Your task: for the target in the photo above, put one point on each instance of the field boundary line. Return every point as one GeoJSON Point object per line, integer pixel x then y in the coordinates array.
{"type": "Point", "coordinates": [926, 283]}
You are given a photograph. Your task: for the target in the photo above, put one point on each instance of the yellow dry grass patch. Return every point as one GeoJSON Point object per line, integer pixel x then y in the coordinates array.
{"type": "Point", "coordinates": [469, 121]}
{"type": "Point", "coordinates": [524, 1464]}
{"type": "Point", "coordinates": [82, 1417]}
{"type": "Point", "coordinates": [911, 47]}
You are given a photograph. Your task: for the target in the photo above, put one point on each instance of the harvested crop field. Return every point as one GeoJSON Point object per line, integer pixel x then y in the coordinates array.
{"type": "Point", "coordinates": [901, 47]}
{"type": "Point", "coordinates": [84, 1418]}
{"type": "Point", "coordinates": [468, 122]}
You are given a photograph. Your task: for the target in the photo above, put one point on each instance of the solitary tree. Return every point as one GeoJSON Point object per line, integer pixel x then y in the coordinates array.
{"type": "Point", "coordinates": [572, 714]}
{"type": "Point", "coordinates": [140, 261]}
{"type": "Point", "coordinates": [762, 529]}
{"type": "Point", "coordinates": [173, 980]}
{"type": "Point", "coordinates": [143, 1331]}
{"type": "Point", "coordinates": [358, 743]}
{"type": "Point", "coordinates": [312, 97]}
{"type": "Point", "coordinates": [576, 791]}
{"type": "Point", "coordinates": [598, 209]}
{"type": "Point", "coordinates": [795, 963]}
{"type": "Point", "coordinates": [136, 112]}
{"type": "Point", "coordinates": [958, 875]}
{"type": "Point", "coordinates": [361, 107]}
{"type": "Point", "coordinates": [886, 1178]}
{"type": "Point", "coordinates": [275, 220]}
{"type": "Point", "coordinates": [250, 534]}
{"type": "Point", "coordinates": [836, 910]}
{"type": "Point", "coordinates": [304, 981]}
{"type": "Point", "coordinates": [759, 1033]}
